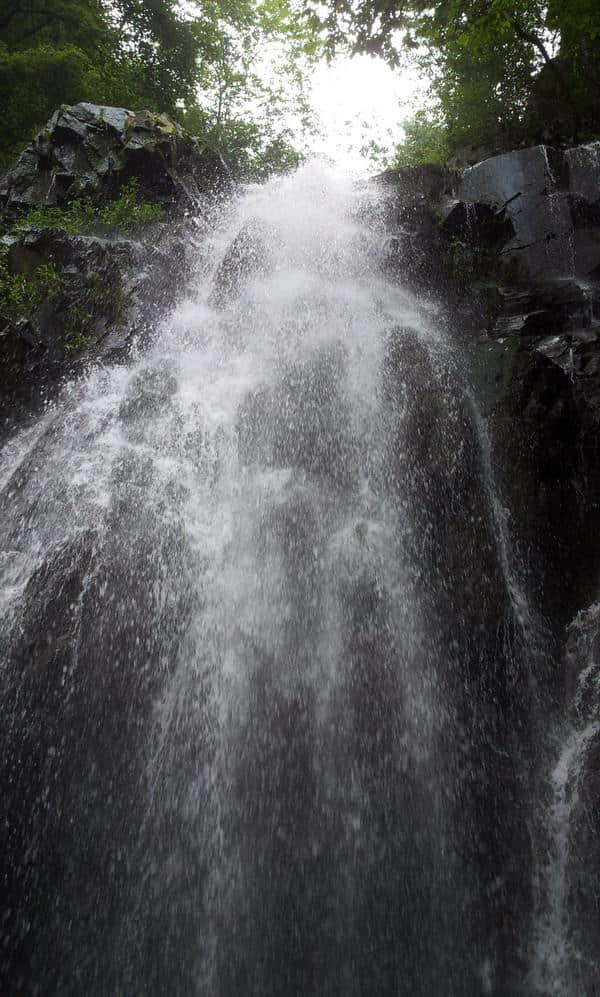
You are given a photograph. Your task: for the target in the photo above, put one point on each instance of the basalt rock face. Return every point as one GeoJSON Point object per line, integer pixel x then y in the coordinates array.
{"type": "Point", "coordinates": [512, 248]}
{"type": "Point", "coordinates": [540, 343]}
{"type": "Point", "coordinates": [92, 150]}
{"type": "Point", "coordinates": [416, 244]}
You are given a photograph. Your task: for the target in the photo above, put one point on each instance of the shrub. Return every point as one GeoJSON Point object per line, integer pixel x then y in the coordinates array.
{"type": "Point", "coordinates": [81, 216]}
{"type": "Point", "coordinates": [23, 293]}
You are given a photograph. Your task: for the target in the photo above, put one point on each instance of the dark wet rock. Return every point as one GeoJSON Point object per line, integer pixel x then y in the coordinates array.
{"type": "Point", "coordinates": [528, 215]}
{"type": "Point", "coordinates": [565, 306]}
{"type": "Point", "coordinates": [303, 422]}
{"type": "Point", "coordinates": [524, 186]}
{"type": "Point", "coordinates": [525, 172]}
{"type": "Point", "coordinates": [475, 221]}
{"type": "Point", "coordinates": [92, 150]}
{"type": "Point", "coordinates": [539, 390]}
{"type": "Point", "coordinates": [149, 413]}
{"type": "Point", "coordinates": [428, 182]}
{"type": "Point", "coordinates": [82, 687]}
{"type": "Point", "coordinates": [582, 687]}
{"type": "Point", "coordinates": [583, 171]}
{"type": "Point", "coordinates": [150, 391]}
{"type": "Point", "coordinates": [249, 254]}
{"type": "Point", "coordinates": [552, 202]}
{"type": "Point", "coordinates": [102, 294]}
{"type": "Point", "coordinates": [433, 467]}
{"type": "Point", "coordinates": [511, 248]}
{"type": "Point", "coordinates": [582, 872]}
{"type": "Point", "coordinates": [415, 248]}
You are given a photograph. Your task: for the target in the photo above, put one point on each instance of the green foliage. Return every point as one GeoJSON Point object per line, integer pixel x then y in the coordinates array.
{"type": "Point", "coordinates": [97, 296]}
{"type": "Point", "coordinates": [253, 150]}
{"type": "Point", "coordinates": [76, 340]}
{"type": "Point", "coordinates": [253, 99]}
{"type": "Point", "coordinates": [23, 293]}
{"type": "Point", "coordinates": [145, 50]}
{"type": "Point", "coordinates": [503, 72]}
{"type": "Point", "coordinates": [425, 140]}
{"type": "Point", "coordinates": [82, 299]}
{"type": "Point", "coordinates": [238, 62]}
{"type": "Point", "coordinates": [127, 211]}
{"type": "Point", "coordinates": [75, 218]}
{"type": "Point", "coordinates": [124, 214]}
{"type": "Point", "coordinates": [43, 77]}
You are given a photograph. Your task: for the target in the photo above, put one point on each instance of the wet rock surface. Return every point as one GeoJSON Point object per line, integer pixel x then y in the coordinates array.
{"type": "Point", "coordinates": [250, 255]}
{"type": "Point", "coordinates": [93, 150]}
{"type": "Point", "coordinates": [77, 298]}
{"type": "Point", "coordinates": [513, 255]}
{"type": "Point", "coordinates": [511, 247]}
{"type": "Point", "coordinates": [84, 298]}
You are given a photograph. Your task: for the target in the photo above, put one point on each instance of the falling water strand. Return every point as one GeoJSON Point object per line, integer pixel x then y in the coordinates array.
{"type": "Point", "coordinates": [556, 956]}
{"type": "Point", "coordinates": [259, 628]}
{"type": "Point", "coordinates": [554, 951]}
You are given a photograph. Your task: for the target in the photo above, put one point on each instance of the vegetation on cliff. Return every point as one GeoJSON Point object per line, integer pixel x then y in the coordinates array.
{"type": "Point", "coordinates": [503, 73]}
{"type": "Point", "coordinates": [81, 216]}
{"type": "Point", "coordinates": [196, 62]}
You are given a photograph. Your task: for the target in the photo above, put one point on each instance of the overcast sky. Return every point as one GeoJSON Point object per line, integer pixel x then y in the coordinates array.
{"type": "Point", "coordinates": [360, 98]}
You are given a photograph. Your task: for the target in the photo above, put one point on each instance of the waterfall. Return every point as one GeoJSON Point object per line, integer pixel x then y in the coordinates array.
{"type": "Point", "coordinates": [561, 966]}
{"type": "Point", "coordinates": [265, 678]}
{"type": "Point", "coordinates": [553, 952]}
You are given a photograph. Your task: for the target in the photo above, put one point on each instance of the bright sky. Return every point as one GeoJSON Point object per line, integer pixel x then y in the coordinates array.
{"type": "Point", "coordinates": [358, 99]}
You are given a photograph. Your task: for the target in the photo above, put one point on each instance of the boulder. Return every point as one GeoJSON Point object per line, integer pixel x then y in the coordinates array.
{"type": "Point", "coordinates": [523, 186]}
{"type": "Point", "coordinates": [249, 254]}
{"type": "Point", "coordinates": [525, 172]}
{"type": "Point", "coordinates": [429, 181]}
{"type": "Point", "coordinates": [552, 203]}
{"type": "Point", "coordinates": [89, 150]}
{"type": "Point", "coordinates": [474, 221]}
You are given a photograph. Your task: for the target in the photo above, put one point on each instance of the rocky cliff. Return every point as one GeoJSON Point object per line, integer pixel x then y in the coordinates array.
{"type": "Point", "coordinates": [511, 250]}
{"type": "Point", "coordinates": [79, 281]}
{"type": "Point", "coordinates": [509, 253]}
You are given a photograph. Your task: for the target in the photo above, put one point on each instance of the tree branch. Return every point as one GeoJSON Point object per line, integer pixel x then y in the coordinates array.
{"type": "Point", "coordinates": [532, 39]}
{"type": "Point", "coordinates": [46, 15]}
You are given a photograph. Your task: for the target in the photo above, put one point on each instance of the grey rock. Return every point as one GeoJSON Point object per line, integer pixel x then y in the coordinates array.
{"type": "Point", "coordinates": [107, 293]}
{"type": "Point", "coordinates": [248, 254]}
{"type": "Point", "coordinates": [92, 150]}
{"type": "Point", "coordinates": [526, 172]}
{"type": "Point", "coordinates": [151, 390]}
{"type": "Point", "coordinates": [583, 170]}
{"type": "Point", "coordinates": [523, 186]}
{"type": "Point", "coordinates": [113, 117]}
{"type": "Point", "coordinates": [476, 221]}
{"type": "Point", "coordinates": [429, 181]}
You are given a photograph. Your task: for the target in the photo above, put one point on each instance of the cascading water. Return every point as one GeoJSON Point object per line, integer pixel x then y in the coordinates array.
{"type": "Point", "coordinates": [261, 645]}
{"type": "Point", "coordinates": [565, 963]}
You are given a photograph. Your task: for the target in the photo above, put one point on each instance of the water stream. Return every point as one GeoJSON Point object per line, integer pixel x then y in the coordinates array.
{"type": "Point", "coordinates": [561, 964]}
{"type": "Point", "coordinates": [261, 633]}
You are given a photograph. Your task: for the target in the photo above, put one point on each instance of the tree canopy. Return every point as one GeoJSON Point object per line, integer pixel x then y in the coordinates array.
{"type": "Point", "coordinates": [191, 60]}
{"type": "Point", "coordinates": [502, 72]}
